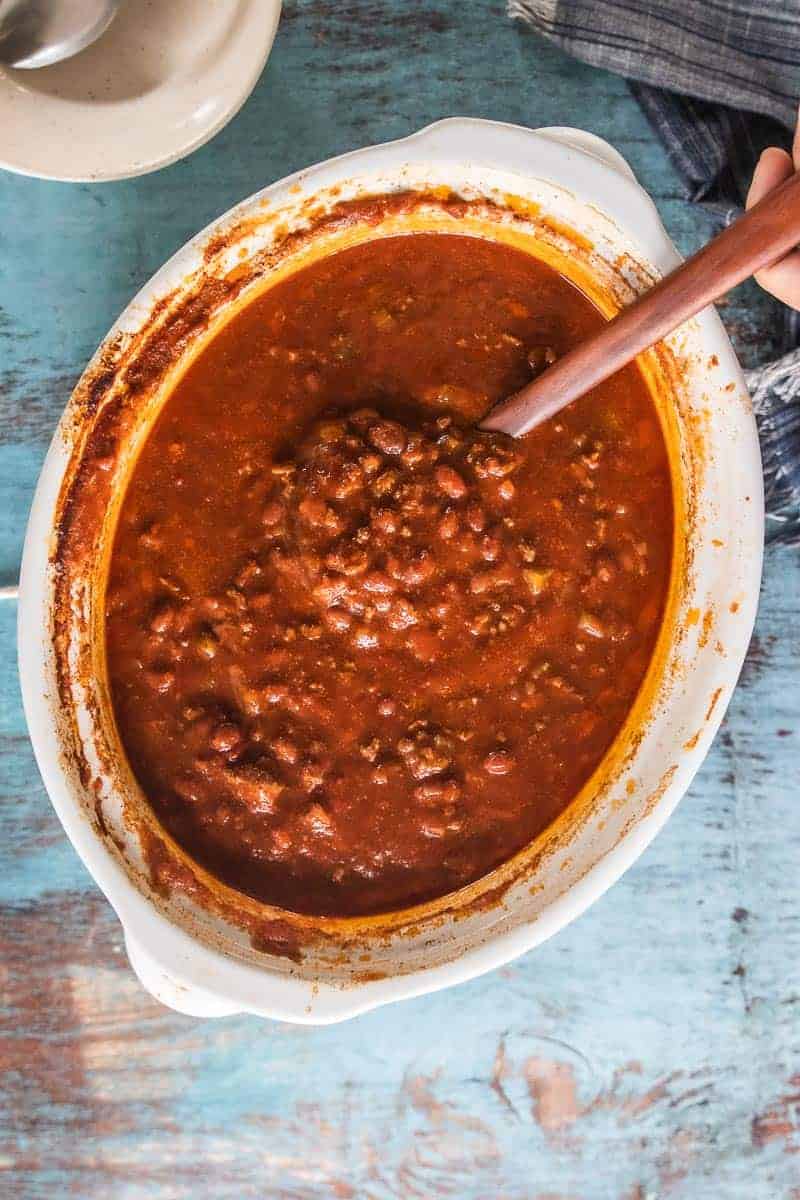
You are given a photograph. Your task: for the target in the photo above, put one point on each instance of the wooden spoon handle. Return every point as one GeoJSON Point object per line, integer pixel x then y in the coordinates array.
{"type": "Point", "coordinates": [762, 236]}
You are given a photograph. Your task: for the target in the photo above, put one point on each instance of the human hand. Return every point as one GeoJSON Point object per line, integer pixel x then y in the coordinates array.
{"type": "Point", "coordinates": [782, 279]}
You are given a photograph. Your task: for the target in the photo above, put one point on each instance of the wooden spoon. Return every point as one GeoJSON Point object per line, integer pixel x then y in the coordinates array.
{"type": "Point", "coordinates": [757, 239]}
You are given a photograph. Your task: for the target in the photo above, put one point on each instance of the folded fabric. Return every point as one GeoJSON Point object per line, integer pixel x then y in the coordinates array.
{"type": "Point", "coordinates": [718, 80]}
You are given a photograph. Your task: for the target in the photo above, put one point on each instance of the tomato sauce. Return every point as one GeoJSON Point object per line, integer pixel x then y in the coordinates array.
{"type": "Point", "coordinates": [359, 653]}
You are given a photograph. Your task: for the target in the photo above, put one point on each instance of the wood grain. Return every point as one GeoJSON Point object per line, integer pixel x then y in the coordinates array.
{"type": "Point", "coordinates": [650, 1051]}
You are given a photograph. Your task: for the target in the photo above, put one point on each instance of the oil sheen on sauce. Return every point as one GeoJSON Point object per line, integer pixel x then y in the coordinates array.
{"type": "Point", "coordinates": [359, 654]}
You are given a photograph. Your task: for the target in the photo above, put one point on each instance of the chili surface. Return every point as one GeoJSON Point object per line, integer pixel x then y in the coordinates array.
{"type": "Point", "coordinates": [360, 654]}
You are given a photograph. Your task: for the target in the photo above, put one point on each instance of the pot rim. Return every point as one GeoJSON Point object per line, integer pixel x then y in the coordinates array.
{"type": "Point", "coordinates": [190, 974]}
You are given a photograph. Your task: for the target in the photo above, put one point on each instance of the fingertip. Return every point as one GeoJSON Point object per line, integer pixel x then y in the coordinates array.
{"type": "Point", "coordinates": [782, 279]}
{"type": "Point", "coordinates": [758, 187]}
{"type": "Point", "coordinates": [776, 161]}
{"type": "Point", "coordinates": [772, 168]}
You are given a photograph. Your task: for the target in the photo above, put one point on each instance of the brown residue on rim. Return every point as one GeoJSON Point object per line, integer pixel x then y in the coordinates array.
{"type": "Point", "coordinates": [705, 632]}
{"type": "Point", "coordinates": [277, 937]}
{"type": "Point", "coordinates": [651, 803]}
{"type": "Point", "coordinates": [715, 695]}
{"type": "Point", "coordinates": [105, 425]}
{"type": "Point", "coordinates": [369, 976]}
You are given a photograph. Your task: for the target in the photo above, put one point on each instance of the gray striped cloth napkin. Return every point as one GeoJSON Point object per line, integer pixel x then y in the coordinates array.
{"type": "Point", "coordinates": [719, 80]}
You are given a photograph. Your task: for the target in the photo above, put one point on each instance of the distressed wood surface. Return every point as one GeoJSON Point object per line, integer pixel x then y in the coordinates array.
{"type": "Point", "coordinates": [651, 1050]}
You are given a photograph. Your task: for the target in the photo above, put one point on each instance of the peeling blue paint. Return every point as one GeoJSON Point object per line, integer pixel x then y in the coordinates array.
{"type": "Point", "coordinates": [651, 1049]}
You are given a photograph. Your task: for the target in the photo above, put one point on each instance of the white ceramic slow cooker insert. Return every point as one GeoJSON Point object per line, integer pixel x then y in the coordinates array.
{"type": "Point", "coordinates": [197, 961]}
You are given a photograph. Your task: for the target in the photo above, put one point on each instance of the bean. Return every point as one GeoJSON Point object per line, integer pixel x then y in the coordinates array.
{"type": "Point", "coordinates": [330, 591]}
{"type": "Point", "coordinates": [365, 638]}
{"type": "Point", "coordinates": [491, 547]}
{"type": "Point", "coordinates": [312, 776]}
{"type": "Point", "coordinates": [350, 481]}
{"type": "Point", "coordinates": [499, 762]}
{"type": "Point", "coordinates": [370, 463]}
{"type": "Point", "coordinates": [450, 482]}
{"type": "Point", "coordinates": [370, 750]}
{"type": "Point", "coordinates": [388, 436]}
{"type": "Point", "coordinates": [502, 463]}
{"type": "Point", "coordinates": [420, 569]}
{"type": "Point", "coordinates": [479, 625]}
{"type": "Point", "coordinates": [319, 515]}
{"type": "Point", "coordinates": [431, 828]}
{"type": "Point", "coordinates": [402, 614]}
{"type": "Point", "coordinates": [256, 787]}
{"type": "Point", "coordinates": [187, 789]}
{"type": "Point", "coordinates": [313, 510]}
{"type": "Point", "coordinates": [226, 737]}
{"type": "Point", "coordinates": [362, 417]}
{"type": "Point", "coordinates": [163, 618]}
{"type": "Point", "coordinates": [425, 760]}
{"type": "Point", "coordinates": [338, 620]}
{"type": "Point", "coordinates": [488, 581]}
{"type": "Point", "coordinates": [434, 792]}
{"type": "Point", "coordinates": [331, 431]}
{"type": "Point", "coordinates": [206, 644]}
{"type": "Point", "coordinates": [275, 693]}
{"type": "Point", "coordinates": [386, 520]}
{"type": "Point", "coordinates": [385, 484]}
{"type": "Point", "coordinates": [413, 454]}
{"type": "Point", "coordinates": [476, 518]}
{"type": "Point", "coordinates": [589, 623]}
{"type": "Point", "coordinates": [318, 820]}
{"type": "Point", "coordinates": [348, 560]}
{"type": "Point", "coordinates": [285, 750]}
{"type": "Point", "coordinates": [378, 581]}
{"type": "Point", "coordinates": [449, 525]}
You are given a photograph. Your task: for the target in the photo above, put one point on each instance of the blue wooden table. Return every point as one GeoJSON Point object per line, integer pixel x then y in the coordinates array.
{"type": "Point", "coordinates": [651, 1050]}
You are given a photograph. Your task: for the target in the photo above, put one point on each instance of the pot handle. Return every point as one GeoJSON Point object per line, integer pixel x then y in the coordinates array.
{"type": "Point", "coordinates": [589, 143]}
{"type": "Point", "coordinates": [191, 1001]}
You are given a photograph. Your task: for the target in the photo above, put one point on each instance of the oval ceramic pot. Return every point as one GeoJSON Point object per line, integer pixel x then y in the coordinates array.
{"type": "Point", "coordinates": [202, 948]}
